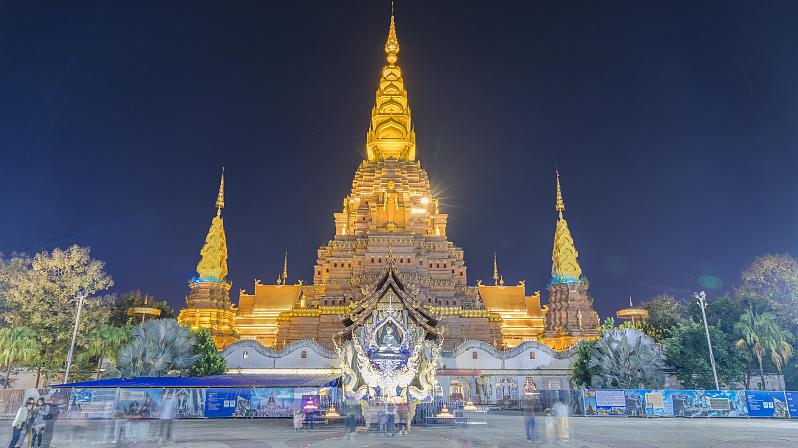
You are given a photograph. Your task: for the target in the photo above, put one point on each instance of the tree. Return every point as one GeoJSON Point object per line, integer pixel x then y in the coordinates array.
{"type": "Point", "coordinates": [762, 335]}
{"type": "Point", "coordinates": [121, 304]}
{"type": "Point", "coordinates": [18, 345]}
{"type": "Point", "coordinates": [773, 281]}
{"type": "Point", "coordinates": [626, 359]}
{"type": "Point", "coordinates": [210, 361]}
{"type": "Point", "coordinates": [158, 347]}
{"type": "Point", "coordinates": [104, 342]}
{"type": "Point", "coordinates": [42, 296]}
{"type": "Point", "coordinates": [580, 374]}
{"type": "Point", "coordinates": [665, 313]}
{"type": "Point", "coordinates": [687, 354]}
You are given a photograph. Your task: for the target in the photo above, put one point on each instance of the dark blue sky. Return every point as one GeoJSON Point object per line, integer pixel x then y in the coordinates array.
{"type": "Point", "coordinates": [674, 125]}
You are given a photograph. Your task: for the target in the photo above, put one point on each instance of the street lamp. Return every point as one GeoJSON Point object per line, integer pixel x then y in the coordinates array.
{"type": "Point", "coordinates": [80, 295]}
{"type": "Point", "coordinates": [701, 296]}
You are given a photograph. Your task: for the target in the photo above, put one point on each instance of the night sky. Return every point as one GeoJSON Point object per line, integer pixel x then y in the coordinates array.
{"type": "Point", "coordinates": [674, 126]}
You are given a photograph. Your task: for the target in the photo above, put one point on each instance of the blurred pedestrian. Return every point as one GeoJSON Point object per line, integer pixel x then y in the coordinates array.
{"type": "Point", "coordinates": [20, 422]}
{"type": "Point", "coordinates": [42, 410]}
{"type": "Point", "coordinates": [529, 419]}
{"type": "Point", "coordinates": [299, 419]}
{"type": "Point", "coordinates": [561, 415]}
{"type": "Point", "coordinates": [166, 415]}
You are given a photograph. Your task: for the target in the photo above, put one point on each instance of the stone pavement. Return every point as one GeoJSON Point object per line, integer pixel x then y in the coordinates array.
{"type": "Point", "coordinates": [504, 430]}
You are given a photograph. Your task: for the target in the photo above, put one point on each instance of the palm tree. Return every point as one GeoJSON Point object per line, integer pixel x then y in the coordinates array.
{"type": "Point", "coordinates": [104, 342]}
{"type": "Point", "coordinates": [761, 334]}
{"type": "Point", "coordinates": [18, 345]}
{"type": "Point", "coordinates": [626, 358]}
{"type": "Point", "coordinates": [157, 347]}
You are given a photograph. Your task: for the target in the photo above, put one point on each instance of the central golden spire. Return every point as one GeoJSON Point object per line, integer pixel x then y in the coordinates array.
{"type": "Point", "coordinates": [391, 133]}
{"type": "Point", "coordinates": [564, 264]}
{"type": "Point", "coordinates": [213, 261]}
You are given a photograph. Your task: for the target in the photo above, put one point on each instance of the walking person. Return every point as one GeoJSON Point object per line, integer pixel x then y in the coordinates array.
{"type": "Point", "coordinates": [19, 424]}
{"type": "Point", "coordinates": [561, 417]}
{"type": "Point", "coordinates": [390, 422]}
{"type": "Point", "coordinates": [41, 410]}
{"type": "Point", "coordinates": [166, 417]}
{"type": "Point", "coordinates": [529, 420]}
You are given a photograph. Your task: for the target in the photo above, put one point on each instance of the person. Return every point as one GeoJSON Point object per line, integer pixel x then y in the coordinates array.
{"type": "Point", "coordinates": [299, 418]}
{"type": "Point", "coordinates": [42, 411]}
{"type": "Point", "coordinates": [404, 418]}
{"type": "Point", "coordinates": [551, 427]}
{"type": "Point", "coordinates": [390, 419]}
{"type": "Point", "coordinates": [20, 422]}
{"type": "Point", "coordinates": [561, 416]}
{"type": "Point", "coordinates": [350, 419]}
{"type": "Point", "coordinates": [529, 420]}
{"type": "Point", "coordinates": [166, 416]}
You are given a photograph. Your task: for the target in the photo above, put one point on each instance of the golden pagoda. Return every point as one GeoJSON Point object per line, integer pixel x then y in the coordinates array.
{"type": "Point", "coordinates": [570, 316]}
{"type": "Point", "coordinates": [391, 213]}
{"type": "Point", "coordinates": [208, 300]}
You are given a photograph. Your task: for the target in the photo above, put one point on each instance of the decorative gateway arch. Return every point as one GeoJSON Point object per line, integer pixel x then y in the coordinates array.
{"type": "Point", "coordinates": [389, 348]}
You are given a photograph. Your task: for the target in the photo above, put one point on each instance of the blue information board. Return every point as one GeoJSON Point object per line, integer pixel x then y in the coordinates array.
{"type": "Point", "coordinates": [766, 403]}
{"type": "Point", "coordinates": [227, 402]}
{"type": "Point", "coordinates": [792, 403]}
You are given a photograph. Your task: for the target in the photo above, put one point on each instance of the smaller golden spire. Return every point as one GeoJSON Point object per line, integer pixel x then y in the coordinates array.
{"type": "Point", "coordinates": [220, 197]}
{"type": "Point", "coordinates": [560, 205]}
{"type": "Point", "coordinates": [501, 280]}
{"type": "Point", "coordinates": [392, 45]}
{"type": "Point", "coordinates": [495, 271]}
{"type": "Point", "coordinates": [285, 268]}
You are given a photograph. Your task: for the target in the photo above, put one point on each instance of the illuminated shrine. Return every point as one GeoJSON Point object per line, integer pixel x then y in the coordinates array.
{"type": "Point", "coordinates": [390, 304]}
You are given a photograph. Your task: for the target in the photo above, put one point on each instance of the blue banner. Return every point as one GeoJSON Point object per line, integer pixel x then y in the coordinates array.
{"type": "Point", "coordinates": [635, 402]}
{"type": "Point", "coordinates": [725, 403]}
{"type": "Point", "coordinates": [227, 402]}
{"type": "Point", "coordinates": [655, 403]}
{"type": "Point", "coordinates": [141, 402]}
{"type": "Point", "coordinates": [792, 403]}
{"type": "Point", "coordinates": [766, 403]}
{"type": "Point", "coordinates": [273, 402]}
{"type": "Point", "coordinates": [589, 400]}
{"type": "Point", "coordinates": [684, 403]}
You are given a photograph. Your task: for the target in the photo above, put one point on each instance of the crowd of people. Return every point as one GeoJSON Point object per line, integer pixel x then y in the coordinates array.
{"type": "Point", "coordinates": [32, 425]}
{"type": "Point", "coordinates": [556, 425]}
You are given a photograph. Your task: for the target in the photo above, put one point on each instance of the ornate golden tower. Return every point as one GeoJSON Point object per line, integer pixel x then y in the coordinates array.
{"type": "Point", "coordinates": [208, 301]}
{"type": "Point", "coordinates": [570, 315]}
{"type": "Point", "coordinates": [391, 133]}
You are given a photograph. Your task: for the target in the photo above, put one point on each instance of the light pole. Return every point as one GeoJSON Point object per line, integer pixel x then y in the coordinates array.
{"type": "Point", "coordinates": [80, 295]}
{"type": "Point", "coordinates": [701, 296]}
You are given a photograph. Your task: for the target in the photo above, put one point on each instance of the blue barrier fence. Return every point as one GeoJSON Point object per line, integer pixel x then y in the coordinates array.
{"type": "Point", "coordinates": [689, 403]}
{"type": "Point", "coordinates": [282, 402]}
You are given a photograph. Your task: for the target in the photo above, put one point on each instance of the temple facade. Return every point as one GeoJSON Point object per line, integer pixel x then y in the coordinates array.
{"type": "Point", "coordinates": [392, 217]}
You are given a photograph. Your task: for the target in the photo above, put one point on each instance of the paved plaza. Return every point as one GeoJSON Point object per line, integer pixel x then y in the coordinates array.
{"type": "Point", "coordinates": [503, 430]}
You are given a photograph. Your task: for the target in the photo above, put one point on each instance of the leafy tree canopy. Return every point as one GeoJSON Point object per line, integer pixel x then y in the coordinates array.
{"type": "Point", "coordinates": [687, 353]}
{"type": "Point", "coordinates": [210, 361]}
{"type": "Point", "coordinates": [41, 293]}
{"type": "Point", "coordinates": [773, 281]}
{"type": "Point", "coordinates": [665, 313]}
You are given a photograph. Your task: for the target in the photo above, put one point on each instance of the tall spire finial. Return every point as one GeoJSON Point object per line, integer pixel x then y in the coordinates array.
{"type": "Point", "coordinates": [285, 268]}
{"type": "Point", "coordinates": [220, 197]}
{"type": "Point", "coordinates": [392, 44]}
{"type": "Point", "coordinates": [495, 271]}
{"type": "Point", "coordinates": [560, 206]}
